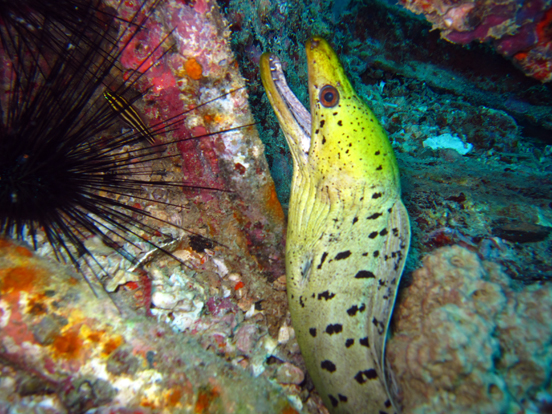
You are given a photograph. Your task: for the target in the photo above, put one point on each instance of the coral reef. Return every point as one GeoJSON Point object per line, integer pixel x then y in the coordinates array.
{"type": "Point", "coordinates": [494, 201]}
{"type": "Point", "coordinates": [241, 214]}
{"type": "Point", "coordinates": [518, 30]}
{"type": "Point", "coordinates": [468, 340]}
{"type": "Point", "coordinates": [498, 206]}
{"type": "Point", "coordinates": [64, 350]}
{"type": "Point", "coordinates": [390, 53]}
{"type": "Point", "coordinates": [199, 69]}
{"type": "Point", "coordinates": [75, 352]}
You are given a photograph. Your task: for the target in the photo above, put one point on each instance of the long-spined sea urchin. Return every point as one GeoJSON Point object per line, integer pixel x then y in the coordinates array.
{"type": "Point", "coordinates": [66, 171]}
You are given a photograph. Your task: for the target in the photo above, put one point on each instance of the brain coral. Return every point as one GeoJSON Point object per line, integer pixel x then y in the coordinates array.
{"type": "Point", "coordinates": [467, 340]}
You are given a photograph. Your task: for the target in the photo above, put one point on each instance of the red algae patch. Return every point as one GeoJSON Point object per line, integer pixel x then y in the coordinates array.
{"type": "Point", "coordinates": [23, 251]}
{"type": "Point", "coordinates": [193, 69]}
{"type": "Point", "coordinates": [273, 205]}
{"type": "Point", "coordinates": [95, 337]}
{"type": "Point", "coordinates": [205, 398]}
{"type": "Point", "coordinates": [112, 344]}
{"type": "Point", "coordinates": [100, 339]}
{"type": "Point", "coordinates": [18, 279]}
{"type": "Point", "coordinates": [174, 396]}
{"type": "Point", "coordinates": [148, 404]}
{"type": "Point", "coordinates": [37, 305]}
{"type": "Point", "coordinates": [289, 410]}
{"type": "Point", "coordinates": [68, 345]}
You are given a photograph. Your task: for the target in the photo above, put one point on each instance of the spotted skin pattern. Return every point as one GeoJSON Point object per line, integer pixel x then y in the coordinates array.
{"type": "Point", "coordinates": [348, 233]}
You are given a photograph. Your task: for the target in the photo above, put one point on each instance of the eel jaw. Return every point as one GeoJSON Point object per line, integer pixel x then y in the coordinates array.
{"type": "Point", "coordinates": [294, 119]}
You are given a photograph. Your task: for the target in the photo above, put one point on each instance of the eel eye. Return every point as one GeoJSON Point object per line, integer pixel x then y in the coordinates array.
{"type": "Point", "coordinates": [329, 96]}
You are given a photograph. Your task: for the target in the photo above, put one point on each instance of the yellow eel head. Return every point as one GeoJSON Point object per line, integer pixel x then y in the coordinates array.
{"type": "Point", "coordinates": [337, 112]}
{"type": "Point", "coordinates": [348, 233]}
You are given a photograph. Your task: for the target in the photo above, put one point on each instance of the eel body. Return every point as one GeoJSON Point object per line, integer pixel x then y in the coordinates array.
{"type": "Point", "coordinates": [348, 233]}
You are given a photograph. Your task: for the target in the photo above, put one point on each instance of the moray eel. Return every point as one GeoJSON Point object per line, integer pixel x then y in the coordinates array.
{"type": "Point", "coordinates": [348, 233]}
